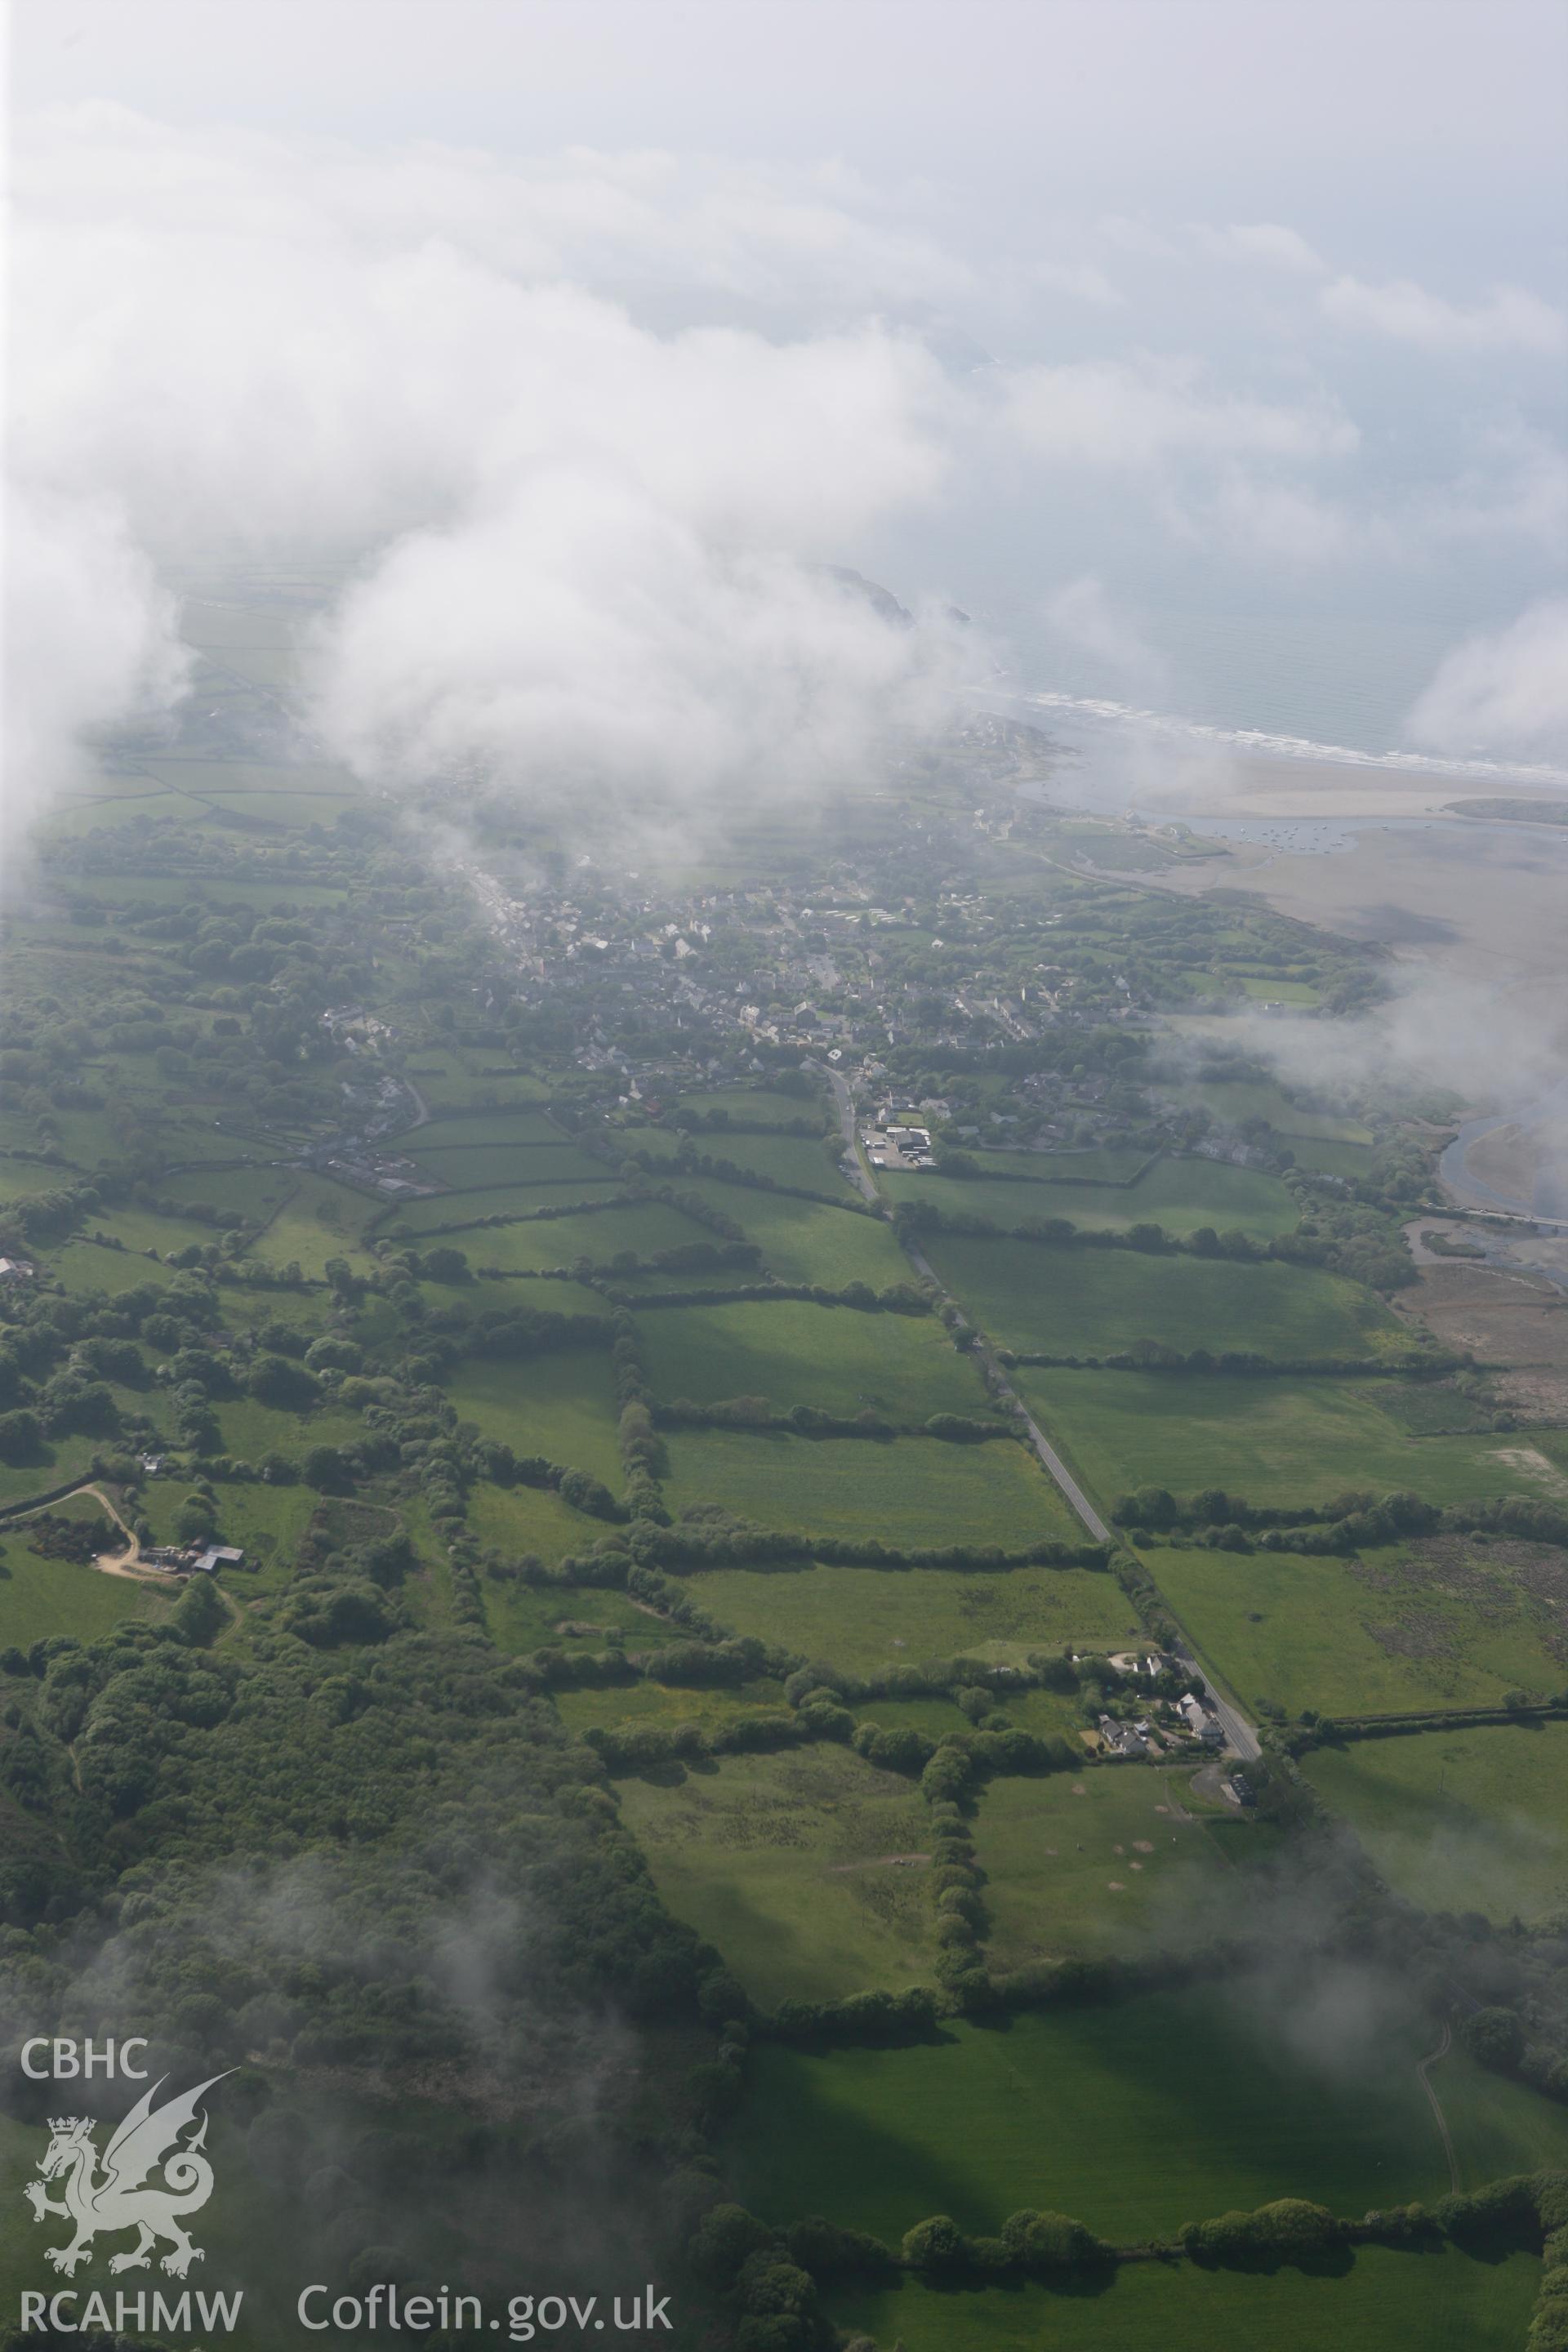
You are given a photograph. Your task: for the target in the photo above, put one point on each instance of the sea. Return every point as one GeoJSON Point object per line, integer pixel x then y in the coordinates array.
{"type": "Point", "coordinates": [1256, 686]}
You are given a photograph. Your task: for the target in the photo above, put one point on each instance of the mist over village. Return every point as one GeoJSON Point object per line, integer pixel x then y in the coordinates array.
{"type": "Point", "coordinates": [784, 1176]}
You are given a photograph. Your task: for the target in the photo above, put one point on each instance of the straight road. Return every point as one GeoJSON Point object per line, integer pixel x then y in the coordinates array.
{"type": "Point", "coordinates": [1238, 1732]}
{"type": "Point", "coordinates": [845, 1101]}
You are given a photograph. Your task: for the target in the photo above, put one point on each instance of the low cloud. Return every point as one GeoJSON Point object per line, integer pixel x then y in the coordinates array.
{"type": "Point", "coordinates": [1511, 320]}
{"type": "Point", "coordinates": [1504, 691]}
{"type": "Point", "coordinates": [1134, 414]}
{"type": "Point", "coordinates": [1276, 247]}
{"type": "Point", "coordinates": [577, 636]}
{"type": "Point", "coordinates": [90, 643]}
{"type": "Point", "coordinates": [1083, 615]}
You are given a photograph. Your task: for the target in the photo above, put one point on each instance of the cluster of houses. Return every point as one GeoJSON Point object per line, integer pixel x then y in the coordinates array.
{"type": "Point", "coordinates": [193, 1560]}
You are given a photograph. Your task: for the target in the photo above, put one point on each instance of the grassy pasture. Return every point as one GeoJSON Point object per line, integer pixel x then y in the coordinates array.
{"type": "Point", "coordinates": [668, 1703]}
{"type": "Point", "coordinates": [805, 1240]}
{"type": "Point", "coordinates": [503, 1294]}
{"type": "Point", "coordinates": [60, 1458]}
{"type": "Point", "coordinates": [518, 1519]}
{"type": "Point", "coordinates": [1387, 2301]}
{"type": "Point", "coordinates": [1138, 2117]}
{"type": "Point", "coordinates": [39, 1597]}
{"type": "Point", "coordinates": [1086, 1302]}
{"type": "Point", "coordinates": [1233, 1100]}
{"type": "Point", "coordinates": [1331, 1159]}
{"type": "Point", "coordinates": [1104, 1165]}
{"type": "Point", "coordinates": [1177, 1194]}
{"type": "Point", "coordinates": [143, 1229]}
{"type": "Point", "coordinates": [1393, 1629]}
{"type": "Point", "coordinates": [787, 1159]}
{"type": "Point", "coordinates": [527, 1122]}
{"type": "Point", "coordinates": [416, 1218]}
{"type": "Point", "coordinates": [466, 1167]}
{"type": "Point", "coordinates": [1284, 1440]}
{"type": "Point", "coordinates": [1460, 1821]}
{"type": "Point", "coordinates": [795, 1352]}
{"type": "Point", "coordinates": [83, 1265]}
{"type": "Point", "coordinates": [866, 1619]}
{"type": "Point", "coordinates": [562, 1406]}
{"type": "Point", "coordinates": [318, 1221]}
{"type": "Point", "coordinates": [758, 1105]}
{"type": "Point", "coordinates": [530, 1616]}
{"type": "Point", "coordinates": [1107, 1861]}
{"type": "Point", "coordinates": [449, 1080]}
{"type": "Point", "coordinates": [783, 1862]}
{"type": "Point", "coordinates": [914, 1490]}
{"type": "Point", "coordinates": [545, 1241]}
{"type": "Point", "coordinates": [251, 1429]}
{"type": "Point", "coordinates": [254, 1191]}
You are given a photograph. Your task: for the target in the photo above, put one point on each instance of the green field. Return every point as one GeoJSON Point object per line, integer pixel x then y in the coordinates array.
{"type": "Point", "coordinates": [450, 1080]}
{"type": "Point", "coordinates": [318, 1221]}
{"type": "Point", "coordinates": [1177, 1194]}
{"type": "Point", "coordinates": [1110, 1860]}
{"type": "Point", "coordinates": [1281, 1441]}
{"type": "Point", "coordinates": [792, 1160]}
{"type": "Point", "coordinates": [517, 1519]}
{"type": "Point", "coordinates": [39, 1597]}
{"type": "Point", "coordinates": [904, 1367]}
{"type": "Point", "coordinates": [562, 1406]}
{"type": "Point", "coordinates": [542, 1243]}
{"type": "Point", "coordinates": [784, 1863]}
{"type": "Point", "coordinates": [544, 1155]}
{"type": "Point", "coordinates": [617, 1704]}
{"type": "Point", "coordinates": [864, 1619]}
{"type": "Point", "coordinates": [805, 1240]}
{"type": "Point", "coordinates": [531, 1616]}
{"type": "Point", "coordinates": [1138, 2117]}
{"type": "Point", "coordinates": [1231, 1100]}
{"type": "Point", "coordinates": [1460, 1821]}
{"type": "Point", "coordinates": [1089, 1302]}
{"type": "Point", "coordinates": [553, 1176]}
{"type": "Point", "coordinates": [913, 1490]}
{"type": "Point", "coordinates": [1442, 2301]}
{"type": "Point", "coordinates": [1397, 1629]}
{"type": "Point", "coordinates": [755, 1105]}
{"type": "Point", "coordinates": [529, 1123]}
{"type": "Point", "coordinates": [80, 1266]}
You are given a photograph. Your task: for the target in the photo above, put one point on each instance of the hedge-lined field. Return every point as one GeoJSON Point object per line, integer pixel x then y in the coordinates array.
{"type": "Point", "coordinates": [843, 1361]}
{"type": "Point", "coordinates": [562, 1406]}
{"type": "Point", "coordinates": [784, 1862]}
{"type": "Point", "coordinates": [805, 1240]}
{"type": "Point", "coordinates": [1098, 1302]}
{"type": "Point", "coordinates": [865, 1620]}
{"type": "Point", "coordinates": [1282, 1440]}
{"type": "Point", "coordinates": [913, 1490]}
{"type": "Point", "coordinates": [1138, 2117]}
{"type": "Point", "coordinates": [1390, 1631]}
{"type": "Point", "coordinates": [1107, 1861]}
{"type": "Point", "coordinates": [1178, 1194]}
{"type": "Point", "coordinates": [1459, 1821]}
{"type": "Point", "coordinates": [1443, 2301]}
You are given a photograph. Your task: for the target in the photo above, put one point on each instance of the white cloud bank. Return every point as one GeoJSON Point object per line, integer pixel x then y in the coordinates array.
{"type": "Point", "coordinates": [90, 643]}
{"type": "Point", "coordinates": [1502, 693]}
{"type": "Point", "coordinates": [1133, 415]}
{"type": "Point", "coordinates": [1512, 318]}
{"type": "Point", "coordinates": [588, 549]}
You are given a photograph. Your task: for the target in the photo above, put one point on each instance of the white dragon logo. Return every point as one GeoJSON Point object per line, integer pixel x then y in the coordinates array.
{"type": "Point", "coordinates": [148, 2137]}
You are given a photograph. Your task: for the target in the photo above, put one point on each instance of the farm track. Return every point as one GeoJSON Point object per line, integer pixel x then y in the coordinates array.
{"type": "Point", "coordinates": [1435, 2104]}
